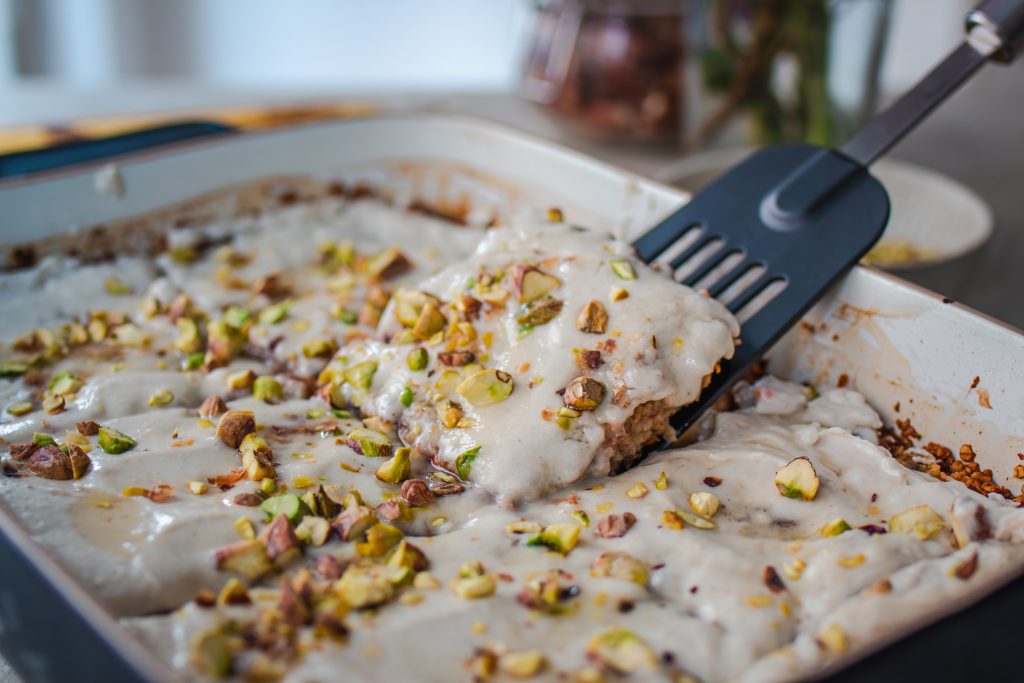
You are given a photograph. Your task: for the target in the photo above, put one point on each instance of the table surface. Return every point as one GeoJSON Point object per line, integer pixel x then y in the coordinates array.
{"type": "Point", "coordinates": [976, 138]}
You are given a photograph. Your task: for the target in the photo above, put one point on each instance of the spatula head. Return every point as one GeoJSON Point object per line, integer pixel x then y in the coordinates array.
{"type": "Point", "coordinates": [789, 221]}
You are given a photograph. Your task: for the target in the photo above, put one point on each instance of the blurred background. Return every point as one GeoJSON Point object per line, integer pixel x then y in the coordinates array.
{"type": "Point", "coordinates": [672, 89]}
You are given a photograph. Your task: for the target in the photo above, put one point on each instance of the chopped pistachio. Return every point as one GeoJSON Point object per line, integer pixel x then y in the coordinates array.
{"type": "Point", "coordinates": [241, 380]}
{"type": "Point", "coordinates": [486, 387]}
{"type": "Point", "coordinates": [623, 269]}
{"type": "Point", "coordinates": [921, 521]}
{"type": "Point", "coordinates": [117, 287]}
{"type": "Point", "coordinates": [794, 569]}
{"type": "Point", "coordinates": [797, 479]}
{"type": "Point", "coordinates": [53, 403]}
{"type": "Point", "coordinates": [582, 517]}
{"type": "Point", "coordinates": [474, 587]}
{"type": "Point", "coordinates": [302, 481]}
{"type": "Point", "coordinates": [321, 347]}
{"type": "Point", "coordinates": [397, 468]}
{"type": "Point", "coordinates": [539, 312]}
{"type": "Point", "coordinates": [662, 482]}
{"type": "Point", "coordinates": [672, 519]}
{"type": "Point", "coordinates": [426, 581]}
{"type": "Point", "coordinates": [79, 461]}
{"type": "Point", "coordinates": [134, 492]}
{"type": "Point", "coordinates": [417, 359]}
{"type": "Point", "coordinates": [408, 305]}
{"type": "Point", "coordinates": [387, 264]}
{"type": "Point", "coordinates": [561, 538]}
{"type": "Point", "coordinates": [64, 384]}
{"type": "Point", "coordinates": [320, 503]}
{"type": "Point", "coordinates": [380, 538]}
{"type": "Point", "coordinates": [583, 393]}
{"type": "Point", "coordinates": [275, 313]}
{"type": "Point", "coordinates": [21, 408]}
{"type": "Point", "coordinates": [406, 397]}
{"type": "Point", "coordinates": [234, 425]}
{"type": "Point", "coordinates": [353, 523]}
{"type": "Point", "coordinates": [162, 397]}
{"type": "Point", "coordinates": [256, 456]}
{"type": "Point", "coordinates": [234, 592]}
{"type": "Point", "coordinates": [267, 389]}
{"type": "Point", "coordinates": [12, 368]}
{"type": "Point", "coordinates": [621, 651]}
{"type": "Point", "coordinates": [360, 375]}
{"type": "Point", "coordinates": [695, 521]}
{"type": "Point", "coordinates": [370, 443]}
{"type": "Point", "coordinates": [525, 664]}
{"type": "Point", "coordinates": [592, 318]}
{"type": "Point", "coordinates": [268, 486]}
{"type": "Point", "coordinates": [833, 639]}
{"type": "Point", "coordinates": [287, 504]}
{"type": "Point", "coordinates": [835, 527]}
{"type": "Point", "coordinates": [313, 530]}
{"type": "Point", "coordinates": [197, 487]}
{"type": "Point", "coordinates": [247, 558]}
{"type": "Point", "coordinates": [115, 442]}
{"type": "Point", "coordinates": [464, 461]}
{"type": "Point", "coordinates": [364, 586]}
{"type": "Point", "coordinates": [704, 504]}
{"type": "Point", "coordinates": [523, 527]}
{"type": "Point", "coordinates": [188, 340]}
{"type": "Point", "coordinates": [638, 490]}
{"type": "Point", "coordinates": [41, 439]}
{"type": "Point", "coordinates": [193, 361]}
{"type": "Point", "coordinates": [618, 294]}
{"type": "Point", "coordinates": [245, 529]}
{"type": "Point", "coordinates": [407, 555]}
{"type": "Point", "coordinates": [620, 565]}
{"type": "Point", "coordinates": [554, 215]}
{"type": "Point", "coordinates": [224, 341]}
{"type": "Point", "coordinates": [211, 651]}
{"type": "Point", "coordinates": [532, 283]}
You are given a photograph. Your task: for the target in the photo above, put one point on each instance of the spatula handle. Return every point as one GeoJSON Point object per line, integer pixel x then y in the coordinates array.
{"type": "Point", "coordinates": [995, 30]}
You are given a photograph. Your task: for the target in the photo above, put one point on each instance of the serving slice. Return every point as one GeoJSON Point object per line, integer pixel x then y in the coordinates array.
{"type": "Point", "coordinates": [550, 354]}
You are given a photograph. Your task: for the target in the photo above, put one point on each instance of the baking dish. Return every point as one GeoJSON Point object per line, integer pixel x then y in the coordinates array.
{"type": "Point", "coordinates": [896, 344]}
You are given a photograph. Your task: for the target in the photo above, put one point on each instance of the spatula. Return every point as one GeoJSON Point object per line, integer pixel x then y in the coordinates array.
{"type": "Point", "coordinates": [771, 235]}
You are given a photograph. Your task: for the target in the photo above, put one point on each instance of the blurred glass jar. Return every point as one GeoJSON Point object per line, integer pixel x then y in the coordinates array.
{"type": "Point", "coordinates": [692, 71]}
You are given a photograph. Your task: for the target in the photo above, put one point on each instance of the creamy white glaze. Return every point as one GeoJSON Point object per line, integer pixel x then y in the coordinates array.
{"type": "Point", "coordinates": [706, 602]}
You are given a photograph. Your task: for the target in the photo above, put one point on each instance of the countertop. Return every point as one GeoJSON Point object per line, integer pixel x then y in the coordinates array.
{"type": "Point", "coordinates": [976, 138]}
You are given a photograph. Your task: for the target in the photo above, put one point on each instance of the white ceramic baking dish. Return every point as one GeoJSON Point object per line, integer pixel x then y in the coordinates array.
{"type": "Point", "coordinates": [895, 343]}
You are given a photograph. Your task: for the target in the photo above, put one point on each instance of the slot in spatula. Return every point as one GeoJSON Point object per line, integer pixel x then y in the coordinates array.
{"type": "Point", "coordinates": [771, 235]}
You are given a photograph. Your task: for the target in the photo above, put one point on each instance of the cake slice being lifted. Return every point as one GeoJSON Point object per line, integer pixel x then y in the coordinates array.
{"type": "Point", "coordinates": [549, 355]}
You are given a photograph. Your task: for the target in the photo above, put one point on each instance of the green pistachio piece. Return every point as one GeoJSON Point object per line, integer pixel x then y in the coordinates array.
{"type": "Point", "coordinates": [162, 397]}
{"type": "Point", "coordinates": [623, 269]}
{"type": "Point", "coordinates": [64, 384]}
{"type": "Point", "coordinates": [592, 318]}
{"type": "Point", "coordinates": [558, 537]}
{"type": "Point", "coordinates": [236, 316]}
{"type": "Point", "coordinates": [354, 522]}
{"type": "Point", "coordinates": [267, 389]}
{"type": "Point", "coordinates": [921, 521]}
{"type": "Point", "coordinates": [539, 312]}
{"type": "Point", "coordinates": [188, 340]}
{"type": "Point", "coordinates": [211, 651]}
{"type": "Point", "coordinates": [193, 361]}
{"type": "Point", "coordinates": [321, 504]}
{"type": "Point", "coordinates": [464, 461]}
{"type": "Point", "coordinates": [241, 380]}
{"type": "Point", "coordinates": [797, 479]}
{"type": "Point", "coordinates": [525, 664]}
{"type": "Point", "coordinates": [361, 587]}
{"type": "Point", "coordinates": [287, 504]}
{"type": "Point", "coordinates": [21, 408]}
{"type": "Point", "coordinates": [247, 558]}
{"type": "Point", "coordinates": [429, 323]}
{"type": "Point", "coordinates": [409, 304]}
{"type": "Point", "coordinates": [115, 442]}
{"type": "Point", "coordinates": [582, 517]}
{"type": "Point", "coordinates": [321, 347]}
{"type": "Point", "coordinates": [417, 359]}
{"type": "Point", "coordinates": [407, 555]}
{"type": "Point", "coordinates": [474, 587]}
{"type": "Point", "coordinates": [486, 387]}
{"type": "Point", "coordinates": [395, 469]}
{"type": "Point", "coordinates": [834, 528]}
{"type": "Point", "coordinates": [380, 538]}
{"type": "Point", "coordinates": [223, 340]}
{"type": "Point", "coordinates": [117, 287]}
{"type": "Point", "coordinates": [704, 503]}
{"type": "Point", "coordinates": [360, 375]}
{"type": "Point", "coordinates": [12, 368]}
{"type": "Point", "coordinates": [406, 397]}
{"type": "Point", "coordinates": [620, 565]}
{"type": "Point", "coordinates": [41, 439]}
{"type": "Point", "coordinates": [275, 313]}
{"type": "Point", "coordinates": [388, 264]}
{"type": "Point", "coordinates": [313, 530]}
{"type": "Point", "coordinates": [583, 393]}
{"type": "Point", "coordinates": [621, 651]}
{"type": "Point", "coordinates": [532, 283]}
{"type": "Point", "coordinates": [370, 443]}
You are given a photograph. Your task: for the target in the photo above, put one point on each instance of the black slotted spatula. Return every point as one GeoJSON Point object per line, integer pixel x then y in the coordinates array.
{"type": "Point", "coordinates": [771, 235]}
